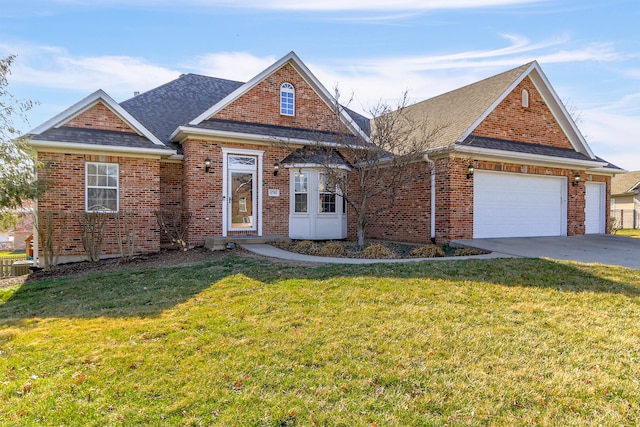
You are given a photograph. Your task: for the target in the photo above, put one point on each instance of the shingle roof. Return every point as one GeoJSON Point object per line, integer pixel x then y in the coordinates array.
{"type": "Point", "coordinates": [277, 132]}
{"type": "Point", "coordinates": [97, 137]}
{"type": "Point", "coordinates": [625, 183]}
{"type": "Point", "coordinates": [163, 109]}
{"type": "Point", "coordinates": [521, 147]}
{"type": "Point", "coordinates": [316, 155]}
{"type": "Point", "coordinates": [454, 112]}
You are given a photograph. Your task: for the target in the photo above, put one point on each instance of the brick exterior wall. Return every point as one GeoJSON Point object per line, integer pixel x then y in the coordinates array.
{"type": "Point", "coordinates": [202, 192]}
{"type": "Point", "coordinates": [513, 122]}
{"type": "Point", "coordinates": [99, 117]}
{"type": "Point", "coordinates": [410, 218]}
{"type": "Point", "coordinates": [139, 193]}
{"type": "Point", "coordinates": [261, 105]}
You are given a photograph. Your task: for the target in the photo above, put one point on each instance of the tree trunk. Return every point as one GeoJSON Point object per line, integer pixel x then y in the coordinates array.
{"type": "Point", "coordinates": [360, 229]}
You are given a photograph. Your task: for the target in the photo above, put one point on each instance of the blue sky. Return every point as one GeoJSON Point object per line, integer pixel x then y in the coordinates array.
{"type": "Point", "coordinates": [373, 49]}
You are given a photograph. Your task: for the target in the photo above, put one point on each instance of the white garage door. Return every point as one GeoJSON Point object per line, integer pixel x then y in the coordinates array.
{"type": "Point", "coordinates": [594, 209]}
{"type": "Point", "coordinates": [517, 205]}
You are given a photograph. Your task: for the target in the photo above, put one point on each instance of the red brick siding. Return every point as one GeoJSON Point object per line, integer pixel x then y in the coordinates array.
{"type": "Point", "coordinates": [535, 124]}
{"type": "Point", "coordinates": [409, 220]}
{"type": "Point", "coordinates": [261, 104]}
{"type": "Point", "coordinates": [99, 117]}
{"type": "Point", "coordinates": [202, 192]}
{"type": "Point", "coordinates": [139, 186]}
{"type": "Point", "coordinates": [454, 200]}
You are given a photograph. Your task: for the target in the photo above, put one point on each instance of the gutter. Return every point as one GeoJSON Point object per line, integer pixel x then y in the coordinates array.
{"type": "Point", "coordinates": [108, 148]}
{"type": "Point", "coordinates": [178, 135]}
{"type": "Point", "coordinates": [433, 196]}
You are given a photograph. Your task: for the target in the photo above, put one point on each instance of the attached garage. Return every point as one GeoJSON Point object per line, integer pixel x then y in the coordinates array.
{"type": "Point", "coordinates": [518, 205]}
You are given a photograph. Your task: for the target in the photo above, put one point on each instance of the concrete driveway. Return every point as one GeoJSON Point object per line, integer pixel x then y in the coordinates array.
{"type": "Point", "coordinates": [594, 248]}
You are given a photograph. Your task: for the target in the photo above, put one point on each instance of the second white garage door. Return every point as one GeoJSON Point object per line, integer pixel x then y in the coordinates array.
{"type": "Point", "coordinates": [518, 205]}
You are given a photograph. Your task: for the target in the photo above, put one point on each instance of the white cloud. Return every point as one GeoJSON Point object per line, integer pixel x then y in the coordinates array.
{"type": "Point", "coordinates": [239, 66]}
{"type": "Point", "coordinates": [613, 136]}
{"type": "Point", "coordinates": [54, 68]}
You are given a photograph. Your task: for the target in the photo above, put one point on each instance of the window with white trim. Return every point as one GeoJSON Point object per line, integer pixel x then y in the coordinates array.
{"type": "Point", "coordinates": [327, 194]}
{"type": "Point", "coordinates": [287, 99]}
{"type": "Point", "coordinates": [101, 187]}
{"type": "Point", "coordinates": [300, 192]}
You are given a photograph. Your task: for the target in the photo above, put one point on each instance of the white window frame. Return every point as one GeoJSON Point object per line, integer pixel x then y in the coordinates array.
{"type": "Point", "coordinates": [107, 187]}
{"type": "Point", "coordinates": [322, 176]}
{"type": "Point", "coordinates": [306, 176]}
{"type": "Point", "coordinates": [287, 108]}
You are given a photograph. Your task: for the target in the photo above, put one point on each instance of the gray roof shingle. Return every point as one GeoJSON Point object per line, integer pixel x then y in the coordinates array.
{"type": "Point", "coordinates": [278, 132]}
{"type": "Point", "coordinates": [316, 155]}
{"type": "Point", "coordinates": [97, 137]}
{"type": "Point", "coordinates": [163, 109]}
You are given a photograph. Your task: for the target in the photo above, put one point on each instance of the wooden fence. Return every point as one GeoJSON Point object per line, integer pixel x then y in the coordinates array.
{"type": "Point", "coordinates": [6, 261]}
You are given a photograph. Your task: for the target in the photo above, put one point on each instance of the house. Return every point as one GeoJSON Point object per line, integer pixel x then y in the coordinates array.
{"type": "Point", "coordinates": [625, 199]}
{"type": "Point", "coordinates": [509, 162]}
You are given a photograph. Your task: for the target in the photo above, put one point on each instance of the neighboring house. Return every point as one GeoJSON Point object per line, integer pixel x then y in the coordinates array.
{"type": "Point", "coordinates": [625, 199]}
{"type": "Point", "coordinates": [212, 147]}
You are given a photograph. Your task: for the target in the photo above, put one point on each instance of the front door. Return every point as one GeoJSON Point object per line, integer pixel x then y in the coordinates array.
{"type": "Point", "coordinates": [241, 193]}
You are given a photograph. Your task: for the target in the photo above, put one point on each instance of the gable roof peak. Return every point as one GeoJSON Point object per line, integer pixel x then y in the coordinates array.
{"type": "Point", "coordinates": [99, 96]}
{"type": "Point", "coordinates": [293, 59]}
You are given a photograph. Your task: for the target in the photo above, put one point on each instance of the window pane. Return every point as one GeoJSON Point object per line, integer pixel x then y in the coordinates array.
{"type": "Point", "coordinates": [92, 180]}
{"type": "Point", "coordinates": [92, 169]}
{"type": "Point", "coordinates": [327, 203]}
{"type": "Point", "coordinates": [300, 203]}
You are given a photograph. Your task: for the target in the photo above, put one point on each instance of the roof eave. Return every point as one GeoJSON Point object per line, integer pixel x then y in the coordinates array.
{"type": "Point", "coordinates": [73, 146]}
{"type": "Point", "coordinates": [514, 156]}
{"type": "Point", "coordinates": [183, 132]}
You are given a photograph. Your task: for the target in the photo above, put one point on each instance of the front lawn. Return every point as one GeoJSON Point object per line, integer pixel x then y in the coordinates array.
{"type": "Point", "coordinates": [242, 341]}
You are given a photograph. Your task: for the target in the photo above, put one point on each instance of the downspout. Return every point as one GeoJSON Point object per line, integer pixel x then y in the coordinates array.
{"type": "Point", "coordinates": [433, 196]}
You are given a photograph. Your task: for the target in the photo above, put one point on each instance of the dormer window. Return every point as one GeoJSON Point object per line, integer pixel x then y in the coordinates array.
{"type": "Point", "coordinates": [287, 99]}
{"type": "Point", "coordinates": [525, 98]}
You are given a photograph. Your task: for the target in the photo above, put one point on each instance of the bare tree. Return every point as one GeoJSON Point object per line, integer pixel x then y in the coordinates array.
{"type": "Point", "coordinates": [175, 224]}
{"type": "Point", "coordinates": [381, 163]}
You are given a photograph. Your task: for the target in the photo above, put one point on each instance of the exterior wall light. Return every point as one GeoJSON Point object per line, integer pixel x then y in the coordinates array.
{"type": "Point", "coordinates": [276, 168]}
{"type": "Point", "coordinates": [207, 165]}
{"type": "Point", "coordinates": [470, 171]}
{"type": "Point", "coordinates": [576, 179]}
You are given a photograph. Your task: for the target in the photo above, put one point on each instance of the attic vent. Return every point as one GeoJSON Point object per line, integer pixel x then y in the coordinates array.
{"type": "Point", "coordinates": [525, 98]}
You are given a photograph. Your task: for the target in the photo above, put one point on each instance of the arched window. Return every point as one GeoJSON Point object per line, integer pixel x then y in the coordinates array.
{"type": "Point", "coordinates": [525, 98]}
{"type": "Point", "coordinates": [287, 99]}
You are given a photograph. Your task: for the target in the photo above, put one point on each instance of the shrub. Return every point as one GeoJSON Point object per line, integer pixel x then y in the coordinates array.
{"type": "Point", "coordinates": [467, 252]}
{"type": "Point", "coordinates": [377, 251]}
{"type": "Point", "coordinates": [333, 249]}
{"type": "Point", "coordinates": [306, 246]}
{"type": "Point", "coordinates": [429, 251]}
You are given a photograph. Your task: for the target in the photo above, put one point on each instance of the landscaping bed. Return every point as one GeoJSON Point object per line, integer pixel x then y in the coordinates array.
{"type": "Point", "coordinates": [374, 249]}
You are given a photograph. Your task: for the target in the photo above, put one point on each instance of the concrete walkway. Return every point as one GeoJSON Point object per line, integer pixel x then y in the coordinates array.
{"type": "Point", "coordinates": [592, 248]}
{"type": "Point", "coordinates": [273, 252]}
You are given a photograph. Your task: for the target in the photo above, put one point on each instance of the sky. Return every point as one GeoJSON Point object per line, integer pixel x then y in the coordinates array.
{"type": "Point", "coordinates": [372, 50]}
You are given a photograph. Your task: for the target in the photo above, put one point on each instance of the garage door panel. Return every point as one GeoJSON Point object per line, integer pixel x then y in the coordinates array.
{"type": "Point", "coordinates": [515, 205]}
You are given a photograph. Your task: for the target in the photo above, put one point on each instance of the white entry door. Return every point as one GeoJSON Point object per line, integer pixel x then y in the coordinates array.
{"type": "Point", "coordinates": [594, 208]}
{"type": "Point", "coordinates": [518, 205]}
{"type": "Point", "coordinates": [241, 191]}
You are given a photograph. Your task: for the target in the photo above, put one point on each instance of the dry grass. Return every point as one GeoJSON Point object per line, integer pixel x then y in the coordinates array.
{"type": "Point", "coordinates": [241, 341]}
